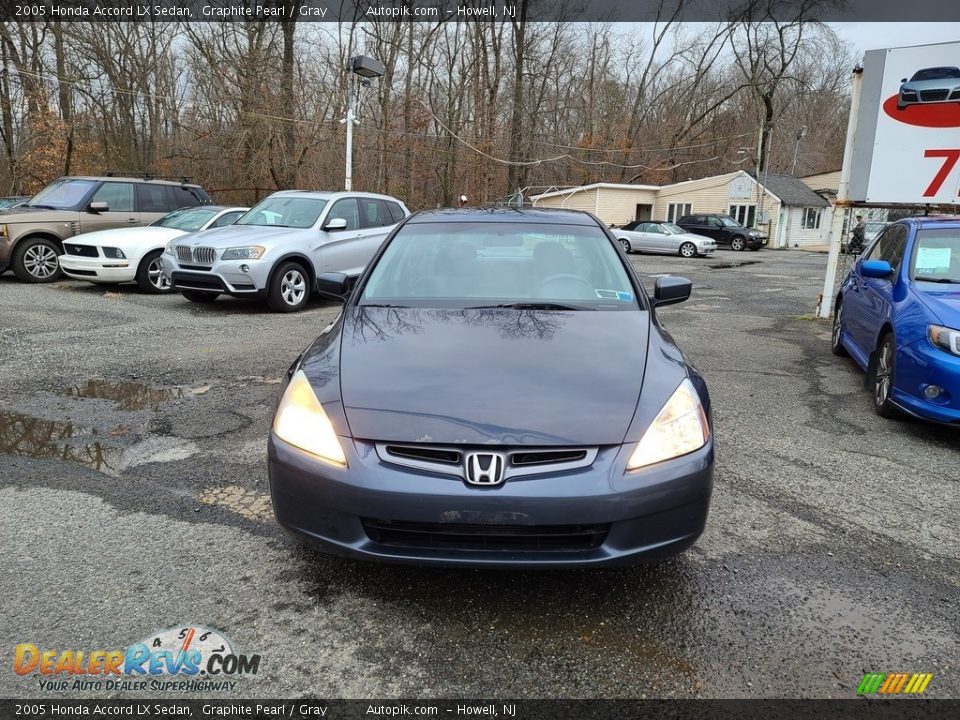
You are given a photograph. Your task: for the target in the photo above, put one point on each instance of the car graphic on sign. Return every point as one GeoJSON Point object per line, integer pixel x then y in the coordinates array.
{"type": "Point", "coordinates": [930, 85]}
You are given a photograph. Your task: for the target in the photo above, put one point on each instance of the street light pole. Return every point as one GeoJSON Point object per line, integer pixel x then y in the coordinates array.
{"type": "Point", "coordinates": [366, 68]}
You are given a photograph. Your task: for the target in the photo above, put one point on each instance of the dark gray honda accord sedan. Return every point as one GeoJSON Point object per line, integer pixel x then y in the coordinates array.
{"type": "Point", "coordinates": [497, 391]}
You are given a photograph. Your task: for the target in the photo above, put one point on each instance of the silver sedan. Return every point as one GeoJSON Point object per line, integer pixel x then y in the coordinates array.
{"type": "Point", "coordinates": [662, 237]}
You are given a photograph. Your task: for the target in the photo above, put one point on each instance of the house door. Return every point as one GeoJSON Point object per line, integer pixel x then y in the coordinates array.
{"type": "Point", "coordinates": [644, 212]}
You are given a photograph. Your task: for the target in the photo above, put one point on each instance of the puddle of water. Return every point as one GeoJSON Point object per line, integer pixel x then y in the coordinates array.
{"type": "Point", "coordinates": [27, 436]}
{"type": "Point", "coordinates": [128, 394]}
{"type": "Point", "coordinates": [743, 263]}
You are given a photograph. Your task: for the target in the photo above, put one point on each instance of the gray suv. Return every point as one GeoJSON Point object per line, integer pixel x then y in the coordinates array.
{"type": "Point", "coordinates": [277, 250]}
{"type": "Point", "coordinates": [32, 235]}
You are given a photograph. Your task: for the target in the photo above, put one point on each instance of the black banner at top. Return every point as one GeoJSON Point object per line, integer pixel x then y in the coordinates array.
{"type": "Point", "coordinates": [435, 11]}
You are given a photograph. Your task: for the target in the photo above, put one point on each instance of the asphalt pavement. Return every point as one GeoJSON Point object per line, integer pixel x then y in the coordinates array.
{"type": "Point", "coordinates": [134, 497]}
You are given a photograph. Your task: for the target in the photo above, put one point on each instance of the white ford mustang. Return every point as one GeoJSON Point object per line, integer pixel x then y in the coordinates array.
{"type": "Point", "coordinates": [133, 254]}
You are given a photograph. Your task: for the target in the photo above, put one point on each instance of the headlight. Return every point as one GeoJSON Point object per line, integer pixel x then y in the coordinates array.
{"type": "Point", "coordinates": [112, 252]}
{"type": "Point", "coordinates": [243, 253]}
{"type": "Point", "coordinates": [301, 421]}
{"type": "Point", "coordinates": [679, 428]}
{"type": "Point", "coordinates": [3, 229]}
{"type": "Point", "coordinates": [945, 338]}
{"type": "Point", "coordinates": [168, 249]}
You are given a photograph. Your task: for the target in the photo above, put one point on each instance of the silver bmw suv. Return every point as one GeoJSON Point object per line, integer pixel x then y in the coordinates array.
{"type": "Point", "coordinates": [276, 250]}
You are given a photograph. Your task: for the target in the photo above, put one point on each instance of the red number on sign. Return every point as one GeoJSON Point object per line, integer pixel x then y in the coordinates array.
{"type": "Point", "coordinates": [950, 158]}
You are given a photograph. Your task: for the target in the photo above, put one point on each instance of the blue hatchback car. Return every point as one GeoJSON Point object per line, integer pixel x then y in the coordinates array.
{"type": "Point", "coordinates": [898, 315]}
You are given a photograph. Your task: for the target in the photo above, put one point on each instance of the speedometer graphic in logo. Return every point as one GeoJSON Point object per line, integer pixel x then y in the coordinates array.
{"type": "Point", "coordinates": [204, 640]}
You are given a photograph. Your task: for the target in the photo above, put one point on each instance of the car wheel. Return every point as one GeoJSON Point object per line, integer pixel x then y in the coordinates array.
{"type": "Point", "coordinates": [35, 260]}
{"type": "Point", "coordinates": [200, 296]}
{"type": "Point", "coordinates": [625, 244]}
{"type": "Point", "coordinates": [883, 375]}
{"type": "Point", "coordinates": [688, 250]}
{"type": "Point", "coordinates": [150, 277]}
{"type": "Point", "coordinates": [289, 288]}
{"type": "Point", "coordinates": [737, 243]}
{"type": "Point", "coordinates": [836, 346]}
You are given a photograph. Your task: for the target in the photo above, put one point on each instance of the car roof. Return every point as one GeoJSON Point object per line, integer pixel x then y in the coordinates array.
{"type": "Point", "coordinates": [934, 220]}
{"type": "Point", "coordinates": [329, 194]}
{"type": "Point", "coordinates": [556, 216]}
{"type": "Point", "coordinates": [121, 178]}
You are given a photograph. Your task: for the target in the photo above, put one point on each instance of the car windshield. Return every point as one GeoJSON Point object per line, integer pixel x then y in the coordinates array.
{"type": "Point", "coordinates": [292, 212]}
{"type": "Point", "coordinates": [189, 219]}
{"type": "Point", "coordinates": [497, 264]}
{"type": "Point", "coordinates": [936, 256]}
{"type": "Point", "coordinates": [728, 221]}
{"type": "Point", "coordinates": [672, 229]}
{"type": "Point", "coordinates": [62, 194]}
{"type": "Point", "coordinates": [937, 73]}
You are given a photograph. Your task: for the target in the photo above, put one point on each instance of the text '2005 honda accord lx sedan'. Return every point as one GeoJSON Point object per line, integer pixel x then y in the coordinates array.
{"type": "Point", "coordinates": [497, 391]}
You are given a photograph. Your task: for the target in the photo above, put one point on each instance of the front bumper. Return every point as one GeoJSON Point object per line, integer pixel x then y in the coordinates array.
{"type": "Point", "coordinates": [648, 514]}
{"type": "Point", "coordinates": [98, 270]}
{"type": "Point", "coordinates": [224, 276]}
{"type": "Point", "coordinates": [920, 365]}
{"type": "Point", "coordinates": [756, 242]}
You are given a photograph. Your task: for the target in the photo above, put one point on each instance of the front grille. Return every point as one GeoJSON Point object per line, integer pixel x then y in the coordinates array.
{"type": "Point", "coordinates": [81, 250]}
{"type": "Point", "coordinates": [455, 536]}
{"type": "Point", "coordinates": [546, 457]}
{"type": "Point", "coordinates": [195, 281]}
{"type": "Point", "coordinates": [197, 255]}
{"type": "Point", "coordinates": [451, 460]}
{"type": "Point", "coordinates": [426, 454]}
{"type": "Point", "coordinates": [933, 95]}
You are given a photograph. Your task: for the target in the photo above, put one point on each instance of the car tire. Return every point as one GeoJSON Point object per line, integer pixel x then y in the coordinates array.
{"type": "Point", "coordinates": [200, 296]}
{"type": "Point", "coordinates": [289, 288]}
{"type": "Point", "coordinates": [625, 245]}
{"type": "Point", "coordinates": [35, 260]}
{"type": "Point", "coordinates": [150, 277]}
{"type": "Point", "coordinates": [688, 250]}
{"type": "Point", "coordinates": [836, 346]}
{"type": "Point", "coordinates": [737, 242]}
{"type": "Point", "coordinates": [884, 368]}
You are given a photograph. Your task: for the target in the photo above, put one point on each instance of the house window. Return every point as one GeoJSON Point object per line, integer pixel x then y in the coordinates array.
{"type": "Point", "coordinates": [744, 214]}
{"type": "Point", "coordinates": [811, 218]}
{"type": "Point", "coordinates": [675, 211]}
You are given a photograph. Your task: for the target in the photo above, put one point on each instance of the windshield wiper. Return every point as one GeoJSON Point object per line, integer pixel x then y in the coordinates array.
{"type": "Point", "coordinates": [928, 278]}
{"type": "Point", "coordinates": [40, 207]}
{"type": "Point", "coordinates": [530, 306]}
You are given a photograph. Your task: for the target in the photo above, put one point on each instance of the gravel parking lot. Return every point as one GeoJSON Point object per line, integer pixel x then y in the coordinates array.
{"type": "Point", "coordinates": [133, 497]}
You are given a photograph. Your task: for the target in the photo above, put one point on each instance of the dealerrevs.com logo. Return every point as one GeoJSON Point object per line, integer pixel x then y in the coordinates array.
{"type": "Point", "coordinates": [186, 658]}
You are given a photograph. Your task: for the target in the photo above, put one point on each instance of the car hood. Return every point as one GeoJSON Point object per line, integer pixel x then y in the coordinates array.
{"type": "Point", "coordinates": [39, 215]}
{"type": "Point", "coordinates": [237, 235]}
{"type": "Point", "coordinates": [117, 237]}
{"type": "Point", "coordinates": [942, 300]}
{"type": "Point", "coordinates": [693, 237]}
{"type": "Point", "coordinates": [506, 377]}
{"type": "Point", "coordinates": [937, 84]}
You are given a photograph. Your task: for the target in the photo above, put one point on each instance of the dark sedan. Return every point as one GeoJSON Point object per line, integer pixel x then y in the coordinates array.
{"type": "Point", "coordinates": [497, 391]}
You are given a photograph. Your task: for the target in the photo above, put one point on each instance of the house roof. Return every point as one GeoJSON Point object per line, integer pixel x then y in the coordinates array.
{"type": "Point", "coordinates": [792, 191]}
{"type": "Point", "coordinates": [593, 186]}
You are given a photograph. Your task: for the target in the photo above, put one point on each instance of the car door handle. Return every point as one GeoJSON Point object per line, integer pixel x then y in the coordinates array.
{"type": "Point", "coordinates": [133, 221]}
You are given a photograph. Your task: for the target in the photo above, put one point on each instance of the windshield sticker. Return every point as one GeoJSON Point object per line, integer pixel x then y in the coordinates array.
{"type": "Point", "coordinates": [614, 295]}
{"type": "Point", "coordinates": [933, 259]}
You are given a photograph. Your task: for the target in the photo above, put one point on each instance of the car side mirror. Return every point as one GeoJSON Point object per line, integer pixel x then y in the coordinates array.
{"type": "Point", "coordinates": [903, 80]}
{"type": "Point", "coordinates": [335, 285]}
{"type": "Point", "coordinates": [876, 269]}
{"type": "Point", "coordinates": [98, 207]}
{"type": "Point", "coordinates": [335, 224]}
{"type": "Point", "coordinates": [671, 290]}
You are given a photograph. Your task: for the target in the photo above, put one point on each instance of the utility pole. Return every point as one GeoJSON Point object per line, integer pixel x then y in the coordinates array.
{"type": "Point", "coordinates": [801, 134]}
{"type": "Point", "coordinates": [350, 120]}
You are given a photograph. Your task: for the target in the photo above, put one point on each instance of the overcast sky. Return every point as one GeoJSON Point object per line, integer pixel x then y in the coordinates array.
{"type": "Point", "coordinates": [871, 36]}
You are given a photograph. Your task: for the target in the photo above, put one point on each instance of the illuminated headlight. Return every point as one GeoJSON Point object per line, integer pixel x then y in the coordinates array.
{"type": "Point", "coordinates": [243, 253]}
{"type": "Point", "coordinates": [945, 338]}
{"type": "Point", "coordinates": [301, 421]}
{"type": "Point", "coordinates": [679, 428]}
{"type": "Point", "coordinates": [113, 252]}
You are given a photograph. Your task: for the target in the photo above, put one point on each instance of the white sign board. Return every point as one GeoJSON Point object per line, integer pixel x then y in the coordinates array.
{"type": "Point", "coordinates": [907, 143]}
